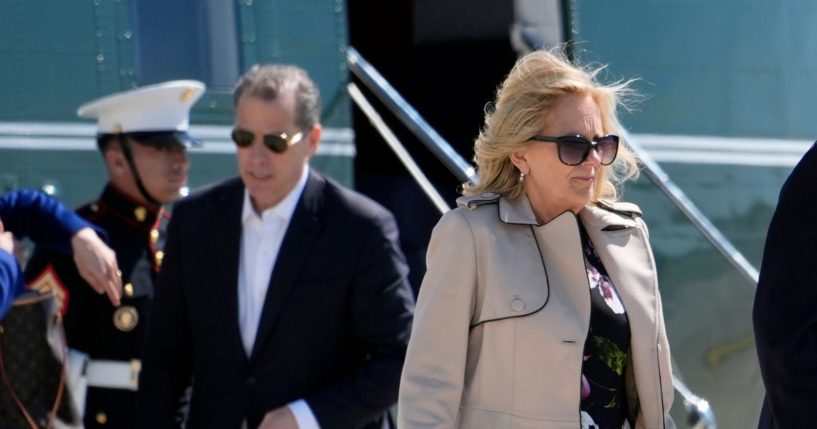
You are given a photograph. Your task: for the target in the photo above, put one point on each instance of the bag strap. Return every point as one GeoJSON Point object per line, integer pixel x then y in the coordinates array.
{"type": "Point", "coordinates": [61, 387]}
{"type": "Point", "coordinates": [20, 406]}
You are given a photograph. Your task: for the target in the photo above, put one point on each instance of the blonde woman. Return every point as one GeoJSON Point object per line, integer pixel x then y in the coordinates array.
{"type": "Point", "coordinates": [540, 307]}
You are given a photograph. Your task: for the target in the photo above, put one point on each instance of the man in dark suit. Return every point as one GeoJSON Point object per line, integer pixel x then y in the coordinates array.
{"type": "Point", "coordinates": [283, 297]}
{"type": "Point", "coordinates": [785, 311]}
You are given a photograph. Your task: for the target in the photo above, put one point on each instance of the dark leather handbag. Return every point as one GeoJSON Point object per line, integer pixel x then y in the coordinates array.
{"type": "Point", "coordinates": [33, 393]}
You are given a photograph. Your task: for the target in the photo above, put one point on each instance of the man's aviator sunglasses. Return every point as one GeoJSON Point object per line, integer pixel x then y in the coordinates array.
{"type": "Point", "coordinates": [573, 150]}
{"type": "Point", "coordinates": [277, 143]}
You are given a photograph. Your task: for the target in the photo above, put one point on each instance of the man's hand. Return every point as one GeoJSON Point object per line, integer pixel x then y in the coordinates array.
{"type": "Point", "coordinates": [279, 418]}
{"type": "Point", "coordinates": [96, 263]}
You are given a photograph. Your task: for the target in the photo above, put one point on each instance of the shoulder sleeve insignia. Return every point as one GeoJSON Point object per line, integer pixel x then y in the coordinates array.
{"type": "Point", "coordinates": [473, 201]}
{"type": "Point", "coordinates": [48, 280]}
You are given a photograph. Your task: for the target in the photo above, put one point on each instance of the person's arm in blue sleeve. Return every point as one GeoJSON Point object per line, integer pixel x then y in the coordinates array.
{"type": "Point", "coordinates": [42, 218]}
{"type": "Point", "coordinates": [11, 278]}
{"type": "Point", "coordinates": [47, 222]}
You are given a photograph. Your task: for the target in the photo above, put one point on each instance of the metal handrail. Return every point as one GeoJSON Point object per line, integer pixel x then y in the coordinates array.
{"type": "Point", "coordinates": [700, 413]}
{"type": "Point", "coordinates": [381, 88]}
{"type": "Point", "coordinates": [661, 180]}
{"type": "Point", "coordinates": [398, 148]}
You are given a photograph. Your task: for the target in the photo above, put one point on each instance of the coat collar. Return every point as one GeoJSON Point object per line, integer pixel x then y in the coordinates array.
{"type": "Point", "coordinates": [517, 211]}
{"type": "Point", "coordinates": [139, 215]}
{"type": "Point", "coordinates": [604, 215]}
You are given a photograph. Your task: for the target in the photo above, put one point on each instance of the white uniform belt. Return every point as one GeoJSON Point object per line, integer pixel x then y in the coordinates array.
{"type": "Point", "coordinates": [113, 374]}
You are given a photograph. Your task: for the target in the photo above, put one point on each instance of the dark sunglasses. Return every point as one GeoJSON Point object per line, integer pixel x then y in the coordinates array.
{"type": "Point", "coordinates": [277, 143]}
{"type": "Point", "coordinates": [573, 150]}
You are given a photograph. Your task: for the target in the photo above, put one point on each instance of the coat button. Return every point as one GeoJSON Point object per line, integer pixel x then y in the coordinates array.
{"type": "Point", "coordinates": [101, 418]}
{"type": "Point", "coordinates": [249, 381]}
{"type": "Point", "coordinates": [518, 305]}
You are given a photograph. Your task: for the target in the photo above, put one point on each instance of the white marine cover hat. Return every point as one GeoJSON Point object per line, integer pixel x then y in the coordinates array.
{"type": "Point", "coordinates": [163, 107]}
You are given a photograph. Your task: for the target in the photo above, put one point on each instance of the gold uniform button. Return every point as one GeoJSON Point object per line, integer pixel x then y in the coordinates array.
{"type": "Point", "coordinates": [125, 318]}
{"type": "Point", "coordinates": [154, 236]}
{"type": "Point", "coordinates": [140, 214]}
{"type": "Point", "coordinates": [94, 207]}
{"type": "Point", "coordinates": [101, 418]}
{"type": "Point", "coordinates": [128, 289]}
{"type": "Point", "coordinates": [159, 256]}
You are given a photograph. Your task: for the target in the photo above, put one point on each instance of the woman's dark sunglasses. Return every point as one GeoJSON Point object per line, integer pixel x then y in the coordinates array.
{"type": "Point", "coordinates": [573, 150]}
{"type": "Point", "coordinates": [277, 143]}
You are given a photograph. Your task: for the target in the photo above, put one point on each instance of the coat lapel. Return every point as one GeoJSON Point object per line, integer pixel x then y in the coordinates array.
{"type": "Point", "coordinates": [227, 251]}
{"type": "Point", "coordinates": [624, 250]}
{"type": "Point", "coordinates": [630, 265]}
{"type": "Point", "coordinates": [295, 251]}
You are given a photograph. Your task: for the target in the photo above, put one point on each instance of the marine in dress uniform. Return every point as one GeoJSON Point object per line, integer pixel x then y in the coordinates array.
{"type": "Point", "coordinates": [147, 130]}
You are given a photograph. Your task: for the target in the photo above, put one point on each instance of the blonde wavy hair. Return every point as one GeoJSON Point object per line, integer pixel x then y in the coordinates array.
{"type": "Point", "coordinates": [534, 84]}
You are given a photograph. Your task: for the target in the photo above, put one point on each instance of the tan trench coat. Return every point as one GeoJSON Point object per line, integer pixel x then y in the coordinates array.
{"type": "Point", "coordinates": [504, 311]}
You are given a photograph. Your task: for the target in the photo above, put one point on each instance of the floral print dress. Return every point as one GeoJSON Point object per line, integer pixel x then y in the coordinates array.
{"type": "Point", "coordinates": [603, 397]}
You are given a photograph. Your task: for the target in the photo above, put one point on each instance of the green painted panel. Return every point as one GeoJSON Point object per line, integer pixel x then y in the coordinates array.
{"type": "Point", "coordinates": [309, 33]}
{"type": "Point", "coordinates": [53, 26]}
{"type": "Point", "coordinates": [47, 97]}
{"type": "Point", "coordinates": [215, 107]}
{"type": "Point", "coordinates": [727, 68]}
{"type": "Point", "coordinates": [57, 55]}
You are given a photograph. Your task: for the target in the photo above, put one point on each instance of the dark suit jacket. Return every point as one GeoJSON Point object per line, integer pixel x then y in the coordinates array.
{"type": "Point", "coordinates": [334, 327]}
{"type": "Point", "coordinates": [785, 311]}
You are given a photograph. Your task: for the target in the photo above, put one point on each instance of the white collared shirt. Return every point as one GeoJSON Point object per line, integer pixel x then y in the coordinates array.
{"type": "Point", "coordinates": [261, 238]}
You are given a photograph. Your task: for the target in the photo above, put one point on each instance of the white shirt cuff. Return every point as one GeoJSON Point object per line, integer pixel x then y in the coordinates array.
{"type": "Point", "coordinates": [303, 415]}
